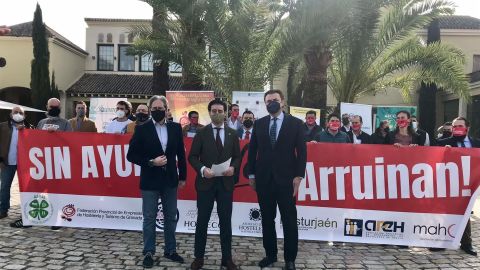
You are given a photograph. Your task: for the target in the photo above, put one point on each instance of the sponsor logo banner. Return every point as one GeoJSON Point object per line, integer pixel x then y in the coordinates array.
{"type": "Point", "coordinates": [361, 193]}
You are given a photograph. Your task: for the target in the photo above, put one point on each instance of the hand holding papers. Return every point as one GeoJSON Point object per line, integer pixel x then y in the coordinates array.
{"type": "Point", "coordinates": [219, 169]}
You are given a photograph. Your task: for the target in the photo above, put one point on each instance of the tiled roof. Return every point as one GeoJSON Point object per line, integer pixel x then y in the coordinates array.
{"type": "Point", "coordinates": [25, 30]}
{"type": "Point", "coordinates": [116, 84]}
{"type": "Point", "coordinates": [459, 22]}
{"type": "Point", "coordinates": [115, 20]}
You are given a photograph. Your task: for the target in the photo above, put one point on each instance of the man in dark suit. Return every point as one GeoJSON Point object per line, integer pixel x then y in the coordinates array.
{"type": "Point", "coordinates": [245, 132]}
{"type": "Point", "coordinates": [460, 138]}
{"type": "Point", "coordinates": [311, 127]}
{"type": "Point", "coordinates": [156, 146]}
{"type": "Point", "coordinates": [214, 144]}
{"type": "Point", "coordinates": [277, 159]}
{"type": "Point", "coordinates": [356, 135]}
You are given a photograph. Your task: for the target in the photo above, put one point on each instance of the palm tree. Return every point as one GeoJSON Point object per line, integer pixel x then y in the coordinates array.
{"type": "Point", "coordinates": [244, 50]}
{"type": "Point", "coordinates": [380, 48]}
{"type": "Point", "coordinates": [176, 35]}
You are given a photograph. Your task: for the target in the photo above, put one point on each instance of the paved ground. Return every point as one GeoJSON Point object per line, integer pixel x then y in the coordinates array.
{"type": "Point", "coordinates": [42, 248]}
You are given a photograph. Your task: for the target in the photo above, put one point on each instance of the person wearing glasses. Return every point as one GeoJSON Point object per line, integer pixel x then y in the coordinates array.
{"type": "Point", "coordinates": [156, 146]}
{"type": "Point", "coordinates": [119, 124]}
{"type": "Point", "coordinates": [191, 129]}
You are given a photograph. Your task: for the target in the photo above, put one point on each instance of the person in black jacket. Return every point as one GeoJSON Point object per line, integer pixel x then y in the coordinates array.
{"type": "Point", "coordinates": [404, 135]}
{"type": "Point", "coordinates": [311, 127]}
{"type": "Point", "coordinates": [155, 146]}
{"type": "Point", "coordinates": [378, 137]}
{"type": "Point", "coordinates": [356, 135]}
{"type": "Point", "coordinates": [277, 159]}
{"type": "Point", "coordinates": [460, 138]}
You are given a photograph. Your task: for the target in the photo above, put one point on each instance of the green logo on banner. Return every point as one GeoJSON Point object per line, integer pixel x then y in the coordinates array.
{"type": "Point", "coordinates": [38, 209]}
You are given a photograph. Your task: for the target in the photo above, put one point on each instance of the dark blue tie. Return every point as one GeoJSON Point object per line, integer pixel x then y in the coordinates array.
{"type": "Point", "coordinates": [273, 132]}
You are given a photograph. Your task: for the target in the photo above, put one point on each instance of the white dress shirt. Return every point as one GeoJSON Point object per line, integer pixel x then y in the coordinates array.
{"type": "Point", "coordinates": [466, 141]}
{"type": "Point", "coordinates": [233, 125]}
{"type": "Point", "coordinates": [245, 132]}
{"type": "Point", "coordinates": [162, 133]}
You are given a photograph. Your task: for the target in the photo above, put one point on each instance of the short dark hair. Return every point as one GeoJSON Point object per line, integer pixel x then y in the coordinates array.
{"type": "Point", "coordinates": [311, 112]}
{"type": "Point", "coordinates": [405, 112]}
{"type": "Point", "coordinates": [447, 123]}
{"type": "Point", "coordinates": [467, 123]}
{"type": "Point", "coordinates": [361, 119]}
{"type": "Point", "coordinates": [127, 105]}
{"type": "Point", "coordinates": [217, 102]}
{"type": "Point", "coordinates": [330, 116]}
{"type": "Point", "coordinates": [192, 113]}
{"type": "Point", "coordinates": [80, 102]}
{"type": "Point", "coordinates": [274, 91]}
{"type": "Point", "coordinates": [248, 112]}
{"type": "Point", "coordinates": [234, 105]}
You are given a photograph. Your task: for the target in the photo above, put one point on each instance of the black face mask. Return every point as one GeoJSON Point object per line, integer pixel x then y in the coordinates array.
{"type": "Point", "coordinates": [248, 123]}
{"type": "Point", "coordinates": [158, 115]}
{"type": "Point", "coordinates": [345, 121]}
{"type": "Point", "coordinates": [446, 134]}
{"type": "Point", "coordinates": [54, 111]}
{"type": "Point", "coordinates": [273, 107]}
{"type": "Point", "coordinates": [142, 117]}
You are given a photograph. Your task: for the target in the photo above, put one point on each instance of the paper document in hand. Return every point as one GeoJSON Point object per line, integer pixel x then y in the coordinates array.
{"type": "Point", "coordinates": [219, 169]}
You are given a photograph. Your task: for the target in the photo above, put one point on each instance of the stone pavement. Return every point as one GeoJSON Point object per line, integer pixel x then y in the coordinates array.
{"type": "Point", "coordinates": [67, 248]}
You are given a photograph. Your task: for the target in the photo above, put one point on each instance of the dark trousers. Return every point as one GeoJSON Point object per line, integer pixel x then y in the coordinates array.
{"type": "Point", "coordinates": [269, 196]}
{"type": "Point", "coordinates": [7, 175]}
{"type": "Point", "coordinates": [467, 235]}
{"type": "Point", "coordinates": [205, 200]}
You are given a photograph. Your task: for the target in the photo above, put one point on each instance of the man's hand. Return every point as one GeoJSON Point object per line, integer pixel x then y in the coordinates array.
{"type": "Point", "coordinates": [397, 145]}
{"type": "Point", "coordinates": [296, 184]}
{"type": "Point", "coordinates": [229, 172]}
{"type": "Point", "coordinates": [20, 127]}
{"type": "Point", "coordinates": [181, 184]}
{"type": "Point", "coordinates": [208, 173]}
{"type": "Point", "coordinates": [252, 183]}
{"type": "Point", "coordinates": [413, 145]}
{"type": "Point", "coordinates": [160, 161]}
{"type": "Point", "coordinates": [51, 129]}
{"type": "Point", "coordinates": [448, 146]}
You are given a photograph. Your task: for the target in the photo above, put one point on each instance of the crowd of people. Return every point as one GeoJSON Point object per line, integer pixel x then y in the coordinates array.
{"type": "Point", "coordinates": [276, 163]}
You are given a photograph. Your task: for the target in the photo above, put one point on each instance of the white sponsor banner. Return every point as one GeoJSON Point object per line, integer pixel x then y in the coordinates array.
{"type": "Point", "coordinates": [251, 101]}
{"type": "Point", "coordinates": [102, 111]}
{"type": "Point", "coordinates": [365, 111]}
{"type": "Point", "coordinates": [314, 223]}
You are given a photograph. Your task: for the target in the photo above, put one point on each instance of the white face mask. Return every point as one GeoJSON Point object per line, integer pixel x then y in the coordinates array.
{"type": "Point", "coordinates": [18, 117]}
{"type": "Point", "coordinates": [120, 114]}
{"type": "Point", "coordinates": [415, 125]}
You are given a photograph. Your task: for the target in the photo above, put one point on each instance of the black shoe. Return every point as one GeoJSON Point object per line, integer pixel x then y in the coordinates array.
{"type": "Point", "coordinates": [436, 249]}
{"type": "Point", "coordinates": [55, 228]}
{"type": "Point", "coordinates": [289, 266]}
{"type": "Point", "coordinates": [266, 262]}
{"type": "Point", "coordinates": [148, 260]}
{"type": "Point", "coordinates": [174, 257]}
{"type": "Point", "coordinates": [402, 247]}
{"type": "Point", "coordinates": [18, 224]}
{"type": "Point", "coordinates": [3, 215]}
{"type": "Point", "coordinates": [469, 249]}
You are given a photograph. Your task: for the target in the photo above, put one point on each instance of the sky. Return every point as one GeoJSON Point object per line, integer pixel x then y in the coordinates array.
{"type": "Point", "coordinates": [67, 16]}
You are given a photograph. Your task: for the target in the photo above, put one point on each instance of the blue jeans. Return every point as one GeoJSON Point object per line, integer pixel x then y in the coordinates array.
{"type": "Point", "coordinates": [7, 175]}
{"type": "Point", "coordinates": [150, 210]}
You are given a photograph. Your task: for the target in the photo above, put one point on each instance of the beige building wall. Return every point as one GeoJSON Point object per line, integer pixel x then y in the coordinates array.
{"type": "Point", "coordinates": [18, 51]}
{"type": "Point", "coordinates": [114, 28]}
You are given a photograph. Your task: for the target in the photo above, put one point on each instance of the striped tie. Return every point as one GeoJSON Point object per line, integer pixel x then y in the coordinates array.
{"type": "Point", "coordinates": [273, 132]}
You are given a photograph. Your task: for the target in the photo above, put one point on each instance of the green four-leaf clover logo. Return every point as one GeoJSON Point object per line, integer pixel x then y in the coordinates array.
{"type": "Point", "coordinates": [38, 209]}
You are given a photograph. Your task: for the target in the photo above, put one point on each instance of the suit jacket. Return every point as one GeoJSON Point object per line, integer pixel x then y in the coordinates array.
{"type": "Point", "coordinates": [286, 160]}
{"type": "Point", "coordinates": [204, 153]}
{"type": "Point", "coordinates": [6, 130]}
{"type": "Point", "coordinates": [87, 125]}
{"type": "Point", "coordinates": [315, 131]}
{"type": "Point", "coordinates": [240, 132]}
{"type": "Point", "coordinates": [145, 145]}
{"type": "Point", "coordinates": [416, 138]}
{"type": "Point", "coordinates": [453, 143]}
{"type": "Point", "coordinates": [364, 137]}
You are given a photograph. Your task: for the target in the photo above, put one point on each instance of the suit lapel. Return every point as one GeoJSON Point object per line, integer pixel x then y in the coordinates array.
{"type": "Point", "coordinates": [171, 137]}
{"type": "Point", "coordinates": [210, 139]}
{"type": "Point", "coordinates": [227, 141]}
{"type": "Point", "coordinates": [156, 140]}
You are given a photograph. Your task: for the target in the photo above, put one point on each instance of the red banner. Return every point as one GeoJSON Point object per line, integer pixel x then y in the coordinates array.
{"type": "Point", "coordinates": [369, 177]}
